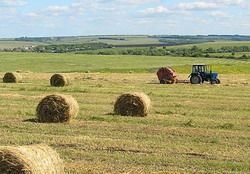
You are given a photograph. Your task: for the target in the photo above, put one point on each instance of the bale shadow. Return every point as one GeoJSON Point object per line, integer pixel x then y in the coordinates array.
{"type": "Point", "coordinates": [32, 120]}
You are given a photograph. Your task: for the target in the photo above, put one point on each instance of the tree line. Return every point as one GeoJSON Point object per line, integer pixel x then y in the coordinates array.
{"type": "Point", "coordinates": [194, 51]}
{"type": "Point", "coordinates": [106, 49]}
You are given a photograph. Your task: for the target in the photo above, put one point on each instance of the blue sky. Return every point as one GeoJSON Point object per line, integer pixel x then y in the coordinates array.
{"type": "Point", "coordinates": [110, 17]}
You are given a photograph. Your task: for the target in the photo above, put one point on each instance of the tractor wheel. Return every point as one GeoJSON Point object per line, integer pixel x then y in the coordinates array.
{"type": "Point", "coordinates": [217, 81]}
{"type": "Point", "coordinates": [213, 82]}
{"type": "Point", "coordinates": [195, 79]}
{"type": "Point", "coordinates": [162, 82]}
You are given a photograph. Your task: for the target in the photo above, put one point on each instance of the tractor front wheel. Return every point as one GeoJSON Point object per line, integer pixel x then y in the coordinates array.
{"type": "Point", "coordinates": [196, 79]}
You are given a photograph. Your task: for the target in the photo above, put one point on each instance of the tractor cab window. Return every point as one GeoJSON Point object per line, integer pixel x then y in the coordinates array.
{"type": "Point", "coordinates": [200, 68]}
{"type": "Point", "coordinates": [195, 69]}
{"type": "Point", "coordinates": [205, 68]}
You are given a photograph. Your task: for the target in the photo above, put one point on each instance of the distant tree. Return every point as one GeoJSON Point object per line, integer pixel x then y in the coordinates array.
{"type": "Point", "coordinates": [244, 56]}
{"type": "Point", "coordinates": [210, 50]}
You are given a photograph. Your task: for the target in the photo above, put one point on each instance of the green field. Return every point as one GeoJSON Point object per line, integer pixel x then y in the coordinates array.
{"type": "Point", "coordinates": [34, 62]}
{"type": "Point", "coordinates": [128, 40]}
{"type": "Point", "coordinates": [190, 128]}
{"type": "Point", "coordinates": [217, 44]}
{"type": "Point", "coordinates": [237, 54]}
{"type": "Point", "coordinates": [17, 44]}
{"type": "Point", "coordinates": [124, 41]}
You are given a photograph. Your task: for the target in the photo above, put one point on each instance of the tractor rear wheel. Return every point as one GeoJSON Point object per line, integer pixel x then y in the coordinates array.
{"type": "Point", "coordinates": [213, 82]}
{"type": "Point", "coordinates": [217, 81]}
{"type": "Point", "coordinates": [196, 79]}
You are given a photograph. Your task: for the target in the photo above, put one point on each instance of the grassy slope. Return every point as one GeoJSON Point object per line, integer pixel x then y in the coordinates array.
{"type": "Point", "coordinates": [237, 54]}
{"type": "Point", "coordinates": [81, 63]}
{"type": "Point", "coordinates": [130, 40]}
{"type": "Point", "coordinates": [87, 39]}
{"type": "Point", "coordinates": [217, 44]}
{"type": "Point", "coordinates": [17, 44]}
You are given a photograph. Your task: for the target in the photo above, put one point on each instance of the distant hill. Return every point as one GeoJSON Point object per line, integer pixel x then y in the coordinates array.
{"type": "Point", "coordinates": [119, 40]}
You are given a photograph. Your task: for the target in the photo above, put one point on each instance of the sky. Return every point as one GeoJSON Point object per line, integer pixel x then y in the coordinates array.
{"type": "Point", "coordinates": [34, 18]}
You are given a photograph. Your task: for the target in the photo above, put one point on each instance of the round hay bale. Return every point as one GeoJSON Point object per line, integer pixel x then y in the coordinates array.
{"type": "Point", "coordinates": [12, 77]}
{"type": "Point", "coordinates": [59, 80]}
{"type": "Point", "coordinates": [167, 75]}
{"type": "Point", "coordinates": [132, 104]}
{"type": "Point", "coordinates": [33, 159]}
{"type": "Point", "coordinates": [57, 109]}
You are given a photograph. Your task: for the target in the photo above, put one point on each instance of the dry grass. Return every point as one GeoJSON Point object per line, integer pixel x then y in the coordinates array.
{"type": "Point", "coordinates": [12, 77]}
{"type": "Point", "coordinates": [33, 159]}
{"type": "Point", "coordinates": [186, 131]}
{"type": "Point", "coordinates": [57, 109]}
{"type": "Point", "coordinates": [132, 104]}
{"type": "Point", "coordinates": [59, 80]}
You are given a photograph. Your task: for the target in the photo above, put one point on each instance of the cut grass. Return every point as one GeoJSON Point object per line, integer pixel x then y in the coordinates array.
{"type": "Point", "coordinates": [190, 129]}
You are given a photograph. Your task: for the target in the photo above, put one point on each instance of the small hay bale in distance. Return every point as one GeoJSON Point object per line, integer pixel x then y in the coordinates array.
{"type": "Point", "coordinates": [33, 159]}
{"type": "Point", "coordinates": [59, 80]}
{"type": "Point", "coordinates": [12, 77]}
{"type": "Point", "coordinates": [57, 108]}
{"type": "Point", "coordinates": [132, 104]}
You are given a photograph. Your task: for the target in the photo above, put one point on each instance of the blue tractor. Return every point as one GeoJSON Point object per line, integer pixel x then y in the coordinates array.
{"type": "Point", "coordinates": [201, 73]}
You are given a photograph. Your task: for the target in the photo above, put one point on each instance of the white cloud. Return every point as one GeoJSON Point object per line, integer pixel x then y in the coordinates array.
{"type": "Point", "coordinates": [13, 2]}
{"type": "Point", "coordinates": [199, 5]}
{"type": "Point", "coordinates": [134, 16]}
{"type": "Point", "coordinates": [136, 2]}
{"type": "Point", "coordinates": [219, 14]}
{"type": "Point", "coordinates": [32, 14]}
{"type": "Point", "coordinates": [156, 10]}
{"type": "Point", "coordinates": [56, 9]}
{"type": "Point", "coordinates": [209, 4]}
{"type": "Point", "coordinates": [230, 2]}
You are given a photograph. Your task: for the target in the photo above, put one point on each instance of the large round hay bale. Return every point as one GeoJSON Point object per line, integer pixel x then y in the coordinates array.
{"type": "Point", "coordinates": [59, 80]}
{"type": "Point", "coordinates": [132, 104]}
{"type": "Point", "coordinates": [167, 75]}
{"type": "Point", "coordinates": [33, 159]}
{"type": "Point", "coordinates": [12, 77]}
{"type": "Point", "coordinates": [57, 109]}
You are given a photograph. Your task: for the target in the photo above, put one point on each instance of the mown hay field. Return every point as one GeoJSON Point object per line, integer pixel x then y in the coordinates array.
{"type": "Point", "coordinates": [190, 128]}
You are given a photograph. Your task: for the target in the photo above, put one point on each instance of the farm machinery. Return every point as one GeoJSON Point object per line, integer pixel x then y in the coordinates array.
{"type": "Point", "coordinates": [166, 75]}
{"type": "Point", "coordinates": [200, 73]}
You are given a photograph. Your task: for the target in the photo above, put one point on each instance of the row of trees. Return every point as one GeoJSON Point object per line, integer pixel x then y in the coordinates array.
{"type": "Point", "coordinates": [106, 49]}
{"type": "Point", "coordinates": [181, 52]}
{"type": "Point", "coordinates": [64, 48]}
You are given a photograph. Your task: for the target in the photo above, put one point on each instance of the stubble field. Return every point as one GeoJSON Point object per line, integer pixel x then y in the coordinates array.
{"type": "Point", "coordinates": [190, 128]}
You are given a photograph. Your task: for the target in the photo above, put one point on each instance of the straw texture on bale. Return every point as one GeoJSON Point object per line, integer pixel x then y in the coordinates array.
{"type": "Point", "coordinates": [132, 104]}
{"type": "Point", "coordinates": [33, 159]}
{"type": "Point", "coordinates": [59, 80]}
{"type": "Point", "coordinates": [57, 109]}
{"type": "Point", "coordinates": [12, 77]}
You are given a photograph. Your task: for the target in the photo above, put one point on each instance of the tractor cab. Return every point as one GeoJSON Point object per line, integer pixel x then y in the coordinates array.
{"type": "Point", "coordinates": [201, 73]}
{"type": "Point", "coordinates": [200, 68]}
